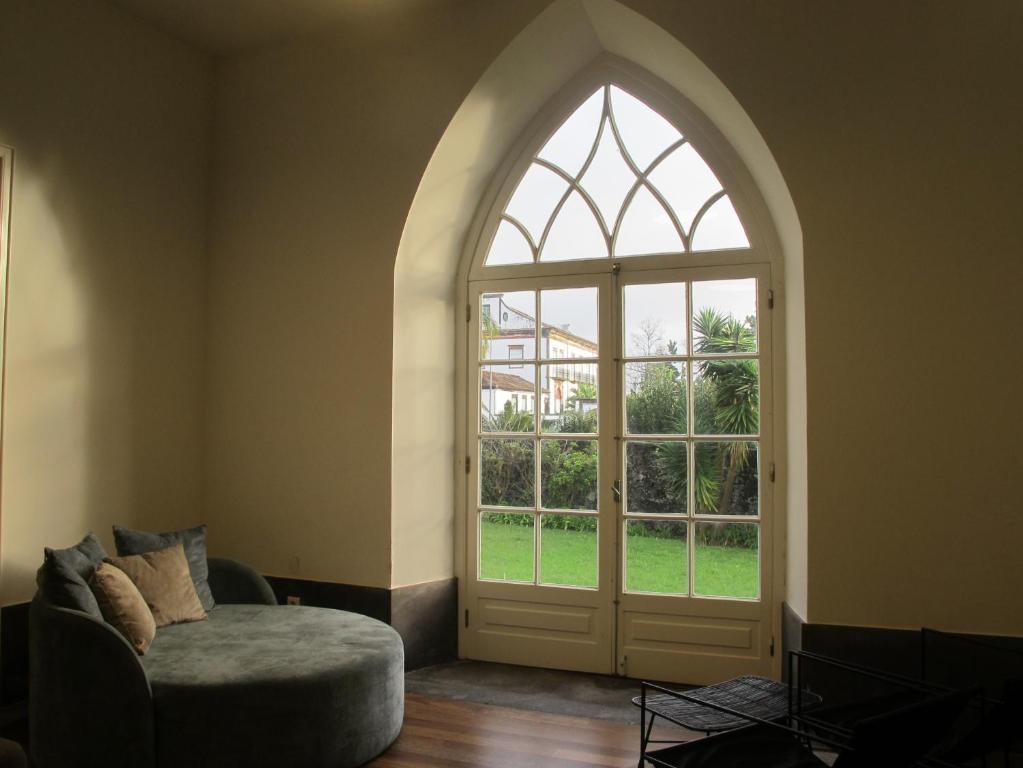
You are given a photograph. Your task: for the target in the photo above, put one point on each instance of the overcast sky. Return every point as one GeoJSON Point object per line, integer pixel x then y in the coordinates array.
{"type": "Point", "coordinates": [682, 178]}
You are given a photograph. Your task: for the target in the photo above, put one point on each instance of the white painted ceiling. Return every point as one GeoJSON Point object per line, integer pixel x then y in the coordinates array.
{"type": "Point", "coordinates": [224, 26]}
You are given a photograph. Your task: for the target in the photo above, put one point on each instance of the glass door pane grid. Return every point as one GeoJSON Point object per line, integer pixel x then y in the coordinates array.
{"type": "Point", "coordinates": [537, 535]}
{"type": "Point", "coordinates": [539, 360]}
{"type": "Point", "coordinates": [690, 358]}
{"type": "Point", "coordinates": [536, 511]}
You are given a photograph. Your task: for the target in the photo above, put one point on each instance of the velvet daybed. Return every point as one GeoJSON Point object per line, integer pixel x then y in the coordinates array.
{"type": "Point", "coordinates": [255, 684]}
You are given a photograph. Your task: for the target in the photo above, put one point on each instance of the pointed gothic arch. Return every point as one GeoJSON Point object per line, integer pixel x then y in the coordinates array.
{"type": "Point", "coordinates": [486, 131]}
{"type": "Point", "coordinates": [614, 180]}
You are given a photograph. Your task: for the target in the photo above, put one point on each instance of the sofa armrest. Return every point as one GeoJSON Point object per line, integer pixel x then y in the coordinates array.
{"type": "Point", "coordinates": [234, 582]}
{"type": "Point", "coordinates": [90, 702]}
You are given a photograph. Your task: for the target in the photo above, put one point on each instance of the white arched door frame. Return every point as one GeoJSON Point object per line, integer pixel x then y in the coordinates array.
{"type": "Point", "coordinates": [720, 650]}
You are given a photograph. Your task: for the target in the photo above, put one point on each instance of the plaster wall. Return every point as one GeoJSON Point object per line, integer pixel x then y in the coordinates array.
{"type": "Point", "coordinates": [320, 147]}
{"type": "Point", "coordinates": [109, 122]}
{"type": "Point", "coordinates": [893, 127]}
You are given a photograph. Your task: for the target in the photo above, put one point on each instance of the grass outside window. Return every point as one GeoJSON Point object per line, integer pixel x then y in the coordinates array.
{"type": "Point", "coordinates": [655, 564]}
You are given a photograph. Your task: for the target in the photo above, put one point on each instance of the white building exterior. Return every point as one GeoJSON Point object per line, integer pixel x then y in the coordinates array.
{"type": "Point", "coordinates": [510, 338]}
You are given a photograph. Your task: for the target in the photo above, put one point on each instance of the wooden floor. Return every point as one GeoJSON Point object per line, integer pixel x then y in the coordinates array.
{"type": "Point", "coordinates": [443, 732]}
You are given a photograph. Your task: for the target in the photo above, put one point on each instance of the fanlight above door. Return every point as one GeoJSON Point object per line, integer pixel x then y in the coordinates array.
{"type": "Point", "coordinates": [615, 180]}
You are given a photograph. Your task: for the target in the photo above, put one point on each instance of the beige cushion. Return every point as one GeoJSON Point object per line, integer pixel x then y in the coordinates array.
{"type": "Point", "coordinates": [165, 583]}
{"type": "Point", "coordinates": [123, 606]}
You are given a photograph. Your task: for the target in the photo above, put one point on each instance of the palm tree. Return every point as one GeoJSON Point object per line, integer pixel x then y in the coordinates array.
{"type": "Point", "coordinates": [726, 401]}
{"type": "Point", "coordinates": [736, 392]}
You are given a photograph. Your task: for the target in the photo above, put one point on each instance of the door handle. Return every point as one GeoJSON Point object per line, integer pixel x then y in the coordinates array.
{"type": "Point", "coordinates": [616, 489]}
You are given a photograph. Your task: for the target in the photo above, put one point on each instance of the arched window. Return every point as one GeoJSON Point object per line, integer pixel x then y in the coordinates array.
{"type": "Point", "coordinates": [619, 513]}
{"type": "Point", "coordinates": [615, 180]}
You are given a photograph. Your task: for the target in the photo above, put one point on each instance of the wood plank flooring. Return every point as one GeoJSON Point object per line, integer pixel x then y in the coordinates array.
{"type": "Point", "coordinates": [443, 732]}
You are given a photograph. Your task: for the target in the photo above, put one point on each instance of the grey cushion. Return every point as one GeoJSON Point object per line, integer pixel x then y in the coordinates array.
{"type": "Point", "coordinates": [261, 685]}
{"type": "Point", "coordinates": [63, 577]}
{"type": "Point", "coordinates": [234, 582]}
{"type": "Point", "coordinates": [131, 542]}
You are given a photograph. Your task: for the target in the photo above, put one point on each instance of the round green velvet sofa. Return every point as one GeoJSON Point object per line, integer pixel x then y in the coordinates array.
{"type": "Point", "coordinates": [256, 684]}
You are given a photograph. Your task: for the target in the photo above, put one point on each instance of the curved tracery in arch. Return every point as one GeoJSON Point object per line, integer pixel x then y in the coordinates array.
{"type": "Point", "coordinates": [614, 180]}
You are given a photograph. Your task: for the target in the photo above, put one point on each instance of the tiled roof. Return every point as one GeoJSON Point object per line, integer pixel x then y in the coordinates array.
{"type": "Point", "coordinates": [509, 382]}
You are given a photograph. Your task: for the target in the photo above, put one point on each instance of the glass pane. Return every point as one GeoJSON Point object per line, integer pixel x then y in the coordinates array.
{"type": "Point", "coordinates": [719, 228]}
{"type": "Point", "coordinates": [568, 394]}
{"type": "Point", "coordinates": [655, 398]}
{"type": "Point", "coordinates": [656, 557]}
{"type": "Point", "coordinates": [656, 478]}
{"type": "Point", "coordinates": [508, 247]}
{"type": "Point", "coordinates": [575, 234]}
{"type": "Point", "coordinates": [507, 398]}
{"type": "Point", "coordinates": [686, 183]}
{"type": "Point", "coordinates": [726, 397]}
{"type": "Point", "coordinates": [570, 145]}
{"type": "Point", "coordinates": [506, 546]}
{"type": "Point", "coordinates": [655, 319]}
{"type": "Point", "coordinates": [645, 133]}
{"type": "Point", "coordinates": [568, 474]}
{"type": "Point", "coordinates": [727, 559]}
{"type": "Point", "coordinates": [534, 199]}
{"type": "Point", "coordinates": [608, 179]}
{"type": "Point", "coordinates": [726, 479]}
{"type": "Point", "coordinates": [508, 326]}
{"type": "Point", "coordinates": [646, 228]}
{"type": "Point", "coordinates": [568, 550]}
{"type": "Point", "coordinates": [507, 470]}
{"type": "Point", "coordinates": [725, 316]}
{"type": "Point", "coordinates": [569, 322]}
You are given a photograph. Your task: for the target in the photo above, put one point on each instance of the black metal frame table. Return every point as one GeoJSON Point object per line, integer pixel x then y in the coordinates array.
{"type": "Point", "coordinates": [755, 696]}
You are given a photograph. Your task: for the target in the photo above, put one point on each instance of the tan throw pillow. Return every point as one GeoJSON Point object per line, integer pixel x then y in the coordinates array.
{"type": "Point", "coordinates": [123, 607]}
{"type": "Point", "coordinates": [165, 583]}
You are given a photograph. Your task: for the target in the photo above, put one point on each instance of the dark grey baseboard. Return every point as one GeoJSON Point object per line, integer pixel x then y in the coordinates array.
{"type": "Point", "coordinates": [791, 636]}
{"type": "Point", "coordinates": [425, 615]}
{"type": "Point", "coordinates": [891, 650]}
{"type": "Point", "coordinates": [369, 601]}
{"type": "Point", "coordinates": [903, 651]}
{"type": "Point", "coordinates": [13, 653]}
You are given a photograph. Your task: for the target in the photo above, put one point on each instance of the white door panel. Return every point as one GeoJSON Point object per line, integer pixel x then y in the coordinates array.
{"type": "Point", "coordinates": [635, 623]}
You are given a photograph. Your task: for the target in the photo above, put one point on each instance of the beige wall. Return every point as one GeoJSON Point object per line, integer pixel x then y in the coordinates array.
{"type": "Point", "coordinates": [894, 126]}
{"type": "Point", "coordinates": [109, 124]}
{"type": "Point", "coordinates": [320, 147]}
{"type": "Point", "coordinates": [428, 477]}
{"type": "Point", "coordinates": [893, 130]}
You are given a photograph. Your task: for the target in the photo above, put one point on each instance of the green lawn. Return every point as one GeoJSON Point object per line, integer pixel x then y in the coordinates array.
{"type": "Point", "coordinates": [653, 565]}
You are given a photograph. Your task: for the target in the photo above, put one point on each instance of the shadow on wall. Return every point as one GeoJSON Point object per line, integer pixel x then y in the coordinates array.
{"type": "Point", "coordinates": [86, 407]}
{"type": "Point", "coordinates": [104, 313]}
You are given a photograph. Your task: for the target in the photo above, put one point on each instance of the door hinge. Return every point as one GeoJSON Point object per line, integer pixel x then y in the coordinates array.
{"type": "Point", "coordinates": [468, 313]}
{"type": "Point", "coordinates": [770, 298]}
{"type": "Point", "coordinates": [772, 646]}
{"type": "Point", "coordinates": [467, 464]}
{"type": "Point", "coordinates": [467, 620]}
{"type": "Point", "coordinates": [770, 474]}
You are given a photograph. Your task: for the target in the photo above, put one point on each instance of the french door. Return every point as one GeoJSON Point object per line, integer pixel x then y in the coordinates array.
{"type": "Point", "coordinates": [618, 473]}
